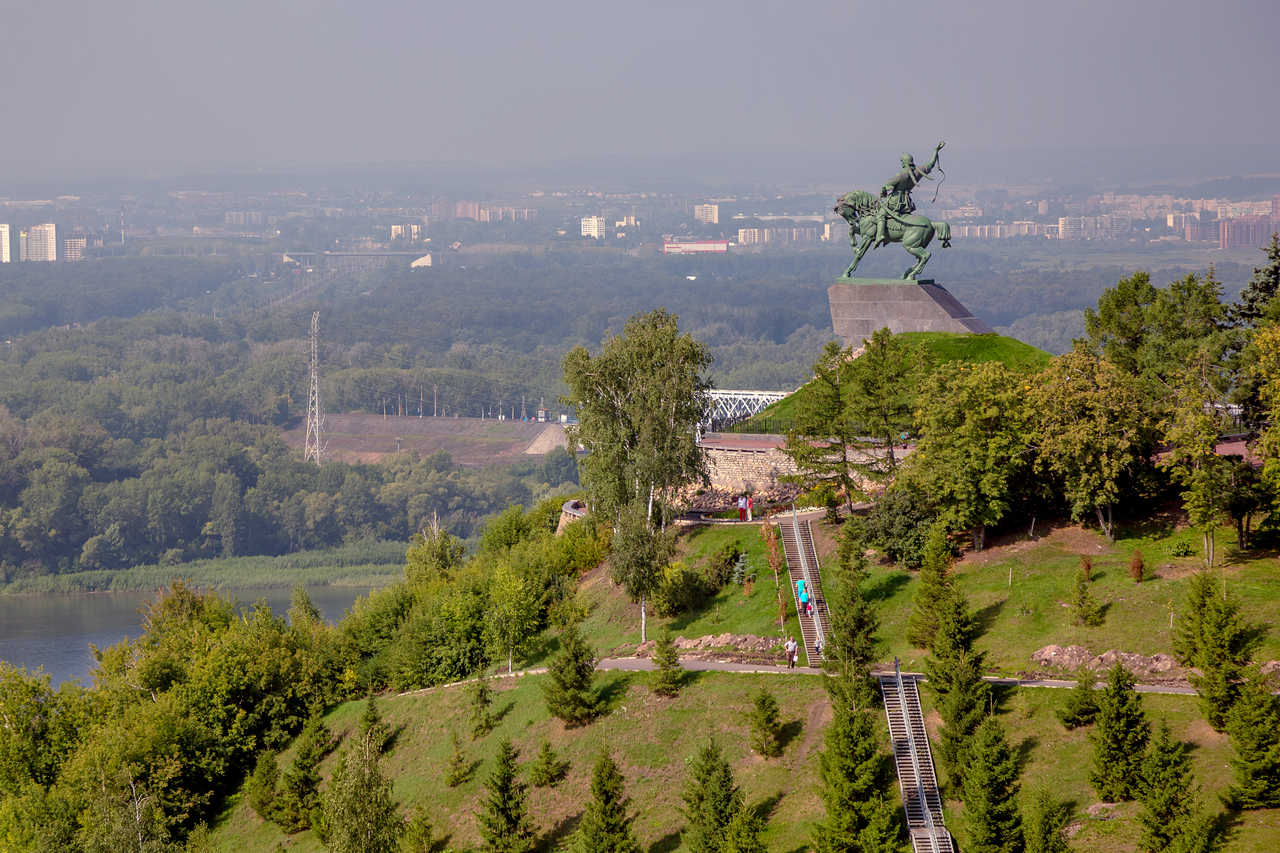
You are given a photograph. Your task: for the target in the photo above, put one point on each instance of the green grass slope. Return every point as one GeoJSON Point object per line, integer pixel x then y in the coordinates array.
{"type": "Point", "coordinates": [942, 347]}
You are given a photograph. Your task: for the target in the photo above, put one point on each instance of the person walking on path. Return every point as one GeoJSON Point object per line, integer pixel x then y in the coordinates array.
{"type": "Point", "coordinates": [792, 648]}
{"type": "Point", "coordinates": [749, 507]}
{"type": "Point", "coordinates": [742, 507]}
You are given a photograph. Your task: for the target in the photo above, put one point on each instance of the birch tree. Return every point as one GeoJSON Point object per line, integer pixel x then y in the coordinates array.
{"type": "Point", "coordinates": [639, 402]}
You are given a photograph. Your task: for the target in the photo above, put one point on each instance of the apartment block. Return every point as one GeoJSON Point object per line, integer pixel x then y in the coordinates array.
{"type": "Point", "coordinates": [41, 243]}
{"type": "Point", "coordinates": [707, 214]}
{"type": "Point", "coordinates": [4, 243]}
{"type": "Point", "coordinates": [593, 226]}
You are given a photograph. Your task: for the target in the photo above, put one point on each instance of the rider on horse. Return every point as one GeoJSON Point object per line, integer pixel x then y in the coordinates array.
{"type": "Point", "coordinates": [896, 192]}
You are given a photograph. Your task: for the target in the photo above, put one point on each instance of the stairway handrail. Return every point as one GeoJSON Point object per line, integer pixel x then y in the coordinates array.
{"type": "Point", "coordinates": [915, 760]}
{"type": "Point", "coordinates": [804, 568]}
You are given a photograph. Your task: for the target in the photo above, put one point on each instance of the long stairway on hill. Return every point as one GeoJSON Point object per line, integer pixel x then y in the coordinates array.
{"type": "Point", "coordinates": [802, 564]}
{"type": "Point", "coordinates": [914, 762]}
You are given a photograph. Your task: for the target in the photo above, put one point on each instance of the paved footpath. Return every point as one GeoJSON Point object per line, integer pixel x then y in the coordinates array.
{"type": "Point", "coordinates": [632, 664]}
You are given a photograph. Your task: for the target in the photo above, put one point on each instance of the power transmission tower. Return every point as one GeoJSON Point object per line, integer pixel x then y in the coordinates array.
{"type": "Point", "coordinates": [315, 445]}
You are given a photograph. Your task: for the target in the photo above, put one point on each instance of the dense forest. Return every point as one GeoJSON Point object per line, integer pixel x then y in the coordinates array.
{"type": "Point", "coordinates": [151, 436]}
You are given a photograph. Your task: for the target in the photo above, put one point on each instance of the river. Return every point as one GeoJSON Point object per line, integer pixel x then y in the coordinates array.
{"type": "Point", "coordinates": [54, 631]}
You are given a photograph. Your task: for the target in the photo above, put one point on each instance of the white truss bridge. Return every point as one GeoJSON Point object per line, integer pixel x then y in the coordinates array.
{"type": "Point", "coordinates": [733, 405]}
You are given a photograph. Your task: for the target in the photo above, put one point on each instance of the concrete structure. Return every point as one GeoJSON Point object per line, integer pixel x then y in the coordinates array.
{"type": "Point", "coordinates": [4, 243]}
{"type": "Point", "coordinates": [694, 247]}
{"type": "Point", "coordinates": [707, 214]}
{"type": "Point", "coordinates": [42, 243]}
{"type": "Point", "coordinates": [593, 226]}
{"type": "Point", "coordinates": [859, 309]}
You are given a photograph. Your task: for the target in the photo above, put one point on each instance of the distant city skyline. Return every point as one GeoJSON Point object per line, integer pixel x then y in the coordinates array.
{"type": "Point", "coordinates": [172, 89]}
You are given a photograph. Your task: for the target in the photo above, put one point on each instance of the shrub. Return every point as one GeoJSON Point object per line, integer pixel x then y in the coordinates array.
{"type": "Point", "coordinates": [719, 568]}
{"type": "Point", "coordinates": [679, 590]}
{"type": "Point", "coordinates": [899, 525]}
{"type": "Point", "coordinates": [459, 766]}
{"type": "Point", "coordinates": [1136, 566]}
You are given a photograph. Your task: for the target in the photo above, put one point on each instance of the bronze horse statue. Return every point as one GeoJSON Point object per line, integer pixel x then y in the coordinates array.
{"type": "Point", "coordinates": [913, 230]}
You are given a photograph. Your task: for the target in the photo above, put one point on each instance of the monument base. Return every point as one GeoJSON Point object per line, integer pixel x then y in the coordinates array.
{"type": "Point", "coordinates": [860, 306]}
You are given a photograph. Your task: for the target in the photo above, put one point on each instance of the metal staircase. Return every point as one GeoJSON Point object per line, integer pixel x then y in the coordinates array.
{"type": "Point", "coordinates": [914, 762]}
{"type": "Point", "coordinates": [802, 564]}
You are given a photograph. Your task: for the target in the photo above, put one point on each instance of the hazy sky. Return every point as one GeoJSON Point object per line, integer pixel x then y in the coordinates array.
{"type": "Point", "coordinates": [136, 87]}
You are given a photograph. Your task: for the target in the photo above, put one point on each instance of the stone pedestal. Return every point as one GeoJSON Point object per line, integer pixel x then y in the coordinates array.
{"type": "Point", "coordinates": [861, 306]}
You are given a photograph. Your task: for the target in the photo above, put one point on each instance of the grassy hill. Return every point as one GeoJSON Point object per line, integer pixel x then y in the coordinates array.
{"type": "Point", "coordinates": [653, 738]}
{"type": "Point", "coordinates": [942, 347]}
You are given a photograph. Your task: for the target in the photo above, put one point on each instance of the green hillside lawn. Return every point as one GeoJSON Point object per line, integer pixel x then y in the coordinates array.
{"type": "Point", "coordinates": [653, 739]}
{"type": "Point", "coordinates": [614, 621]}
{"type": "Point", "coordinates": [943, 347]}
{"type": "Point", "coordinates": [1017, 619]}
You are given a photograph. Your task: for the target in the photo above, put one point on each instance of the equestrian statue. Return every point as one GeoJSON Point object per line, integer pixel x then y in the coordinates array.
{"type": "Point", "coordinates": [892, 218]}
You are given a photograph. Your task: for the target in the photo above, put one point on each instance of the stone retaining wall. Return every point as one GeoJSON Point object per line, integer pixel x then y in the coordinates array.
{"type": "Point", "coordinates": [747, 470]}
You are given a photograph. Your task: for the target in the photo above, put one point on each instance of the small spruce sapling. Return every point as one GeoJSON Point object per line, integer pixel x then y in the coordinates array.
{"type": "Point", "coordinates": [1083, 607]}
{"type": "Point", "coordinates": [547, 768]}
{"type": "Point", "coordinates": [668, 675]}
{"type": "Point", "coordinates": [606, 825]}
{"type": "Point", "coordinates": [766, 724]}
{"type": "Point", "coordinates": [1081, 706]}
{"type": "Point", "coordinates": [1043, 819]}
{"type": "Point", "coordinates": [262, 785]}
{"type": "Point", "coordinates": [372, 729]}
{"type": "Point", "coordinates": [419, 834]}
{"type": "Point", "coordinates": [459, 765]}
{"type": "Point", "coordinates": [481, 699]}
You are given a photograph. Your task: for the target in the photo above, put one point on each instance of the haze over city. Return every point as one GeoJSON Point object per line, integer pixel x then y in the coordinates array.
{"type": "Point", "coordinates": [807, 91]}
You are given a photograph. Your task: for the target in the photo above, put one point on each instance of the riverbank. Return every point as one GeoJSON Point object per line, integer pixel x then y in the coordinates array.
{"type": "Point", "coordinates": [358, 564]}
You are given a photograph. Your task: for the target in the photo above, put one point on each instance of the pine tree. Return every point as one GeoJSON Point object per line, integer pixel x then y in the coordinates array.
{"type": "Point", "coordinates": [854, 779]}
{"type": "Point", "coordinates": [419, 834]}
{"type": "Point", "coordinates": [955, 678]}
{"type": "Point", "coordinates": [1167, 794]}
{"type": "Point", "coordinates": [606, 823]}
{"type": "Point", "coordinates": [459, 765]}
{"type": "Point", "coordinates": [990, 787]}
{"type": "Point", "coordinates": [481, 700]}
{"type": "Point", "coordinates": [372, 728]}
{"type": "Point", "coordinates": [742, 834]}
{"type": "Point", "coordinates": [1258, 296]}
{"type": "Point", "coordinates": [932, 588]}
{"type": "Point", "coordinates": [1119, 739]}
{"type": "Point", "coordinates": [851, 644]}
{"type": "Point", "coordinates": [568, 686]}
{"type": "Point", "coordinates": [711, 799]}
{"type": "Point", "coordinates": [547, 768]}
{"type": "Point", "coordinates": [1081, 707]}
{"type": "Point", "coordinates": [262, 785]}
{"type": "Point", "coordinates": [1254, 727]}
{"type": "Point", "coordinates": [669, 675]}
{"type": "Point", "coordinates": [1213, 637]}
{"type": "Point", "coordinates": [359, 814]}
{"type": "Point", "coordinates": [766, 724]}
{"type": "Point", "coordinates": [299, 792]}
{"type": "Point", "coordinates": [504, 819]}
{"type": "Point", "coordinates": [1043, 819]}
{"type": "Point", "coordinates": [1084, 609]}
